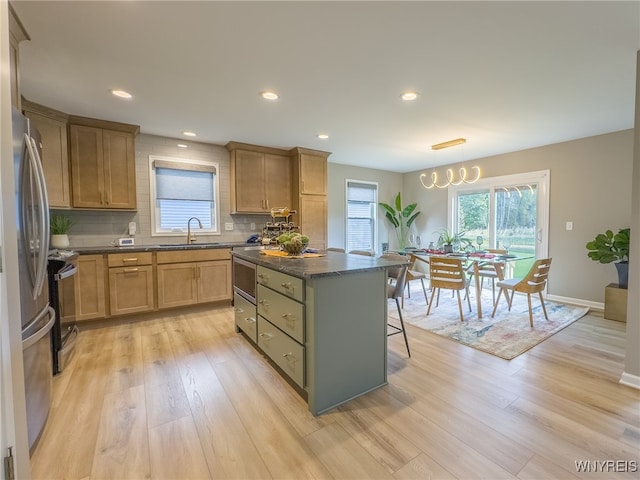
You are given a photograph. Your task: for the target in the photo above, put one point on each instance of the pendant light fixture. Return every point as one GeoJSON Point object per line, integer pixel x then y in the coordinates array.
{"type": "Point", "coordinates": [449, 174]}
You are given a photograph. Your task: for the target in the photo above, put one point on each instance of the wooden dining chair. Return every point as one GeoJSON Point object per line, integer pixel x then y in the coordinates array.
{"type": "Point", "coordinates": [534, 282]}
{"type": "Point", "coordinates": [491, 272]}
{"type": "Point", "coordinates": [413, 274]}
{"type": "Point", "coordinates": [448, 273]}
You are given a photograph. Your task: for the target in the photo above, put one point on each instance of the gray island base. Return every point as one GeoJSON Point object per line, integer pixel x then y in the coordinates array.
{"type": "Point", "coordinates": [322, 321]}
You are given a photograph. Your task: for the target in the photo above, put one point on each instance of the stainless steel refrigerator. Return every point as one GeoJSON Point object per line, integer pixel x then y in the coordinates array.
{"type": "Point", "coordinates": [38, 317]}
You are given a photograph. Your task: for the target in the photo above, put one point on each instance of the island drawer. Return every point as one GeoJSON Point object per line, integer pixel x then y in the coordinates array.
{"type": "Point", "coordinates": [129, 259]}
{"type": "Point", "coordinates": [282, 349]}
{"type": "Point", "coordinates": [281, 282]}
{"type": "Point", "coordinates": [245, 317]}
{"type": "Point", "coordinates": [283, 312]}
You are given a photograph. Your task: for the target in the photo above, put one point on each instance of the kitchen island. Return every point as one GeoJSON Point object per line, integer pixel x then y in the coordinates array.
{"type": "Point", "coordinates": [322, 321]}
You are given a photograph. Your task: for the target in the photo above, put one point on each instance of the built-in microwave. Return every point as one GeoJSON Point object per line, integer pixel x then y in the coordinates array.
{"type": "Point", "coordinates": [244, 279]}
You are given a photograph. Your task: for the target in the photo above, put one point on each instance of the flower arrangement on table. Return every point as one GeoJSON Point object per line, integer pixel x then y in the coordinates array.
{"type": "Point", "coordinates": [293, 243]}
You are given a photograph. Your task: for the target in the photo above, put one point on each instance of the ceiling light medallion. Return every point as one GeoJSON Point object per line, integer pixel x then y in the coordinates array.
{"type": "Point", "coordinates": [450, 176]}
{"type": "Point", "coordinates": [188, 134]}
{"type": "Point", "coordinates": [121, 94]}
{"type": "Point", "coordinates": [269, 95]}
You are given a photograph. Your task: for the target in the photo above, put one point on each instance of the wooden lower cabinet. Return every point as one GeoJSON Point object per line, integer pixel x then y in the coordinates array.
{"type": "Point", "coordinates": [207, 278]}
{"type": "Point", "coordinates": [214, 281]}
{"type": "Point", "coordinates": [91, 295]}
{"type": "Point", "coordinates": [127, 283]}
{"type": "Point", "coordinates": [177, 285]}
{"type": "Point", "coordinates": [131, 289]}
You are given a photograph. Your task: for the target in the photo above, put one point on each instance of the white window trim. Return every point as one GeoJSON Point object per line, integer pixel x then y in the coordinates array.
{"type": "Point", "coordinates": [541, 177]}
{"type": "Point", "coordinates": [152, 196]}
{"type": "Point", "coordinates": [346, 210]}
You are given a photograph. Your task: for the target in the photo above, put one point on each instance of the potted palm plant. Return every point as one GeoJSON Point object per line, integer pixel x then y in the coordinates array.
{"type": "Point", "coordinates": [59, 227]}
{"type": "Point", "coordinates": [401, 218]}
{"type": "Point", "coordinates": [608, 247]}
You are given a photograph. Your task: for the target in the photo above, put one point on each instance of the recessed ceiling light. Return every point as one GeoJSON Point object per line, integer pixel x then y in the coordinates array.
{"type": "Point", "coordinates": [409, 96]}
{"type": "Point", "coordinates": [182, 145]}
{"type": "Point", "coordinates": [269, 95]}
{"type": "Point", "coordinates": [121, 94]}
{"type": "Point", "coordinates": [189, 134]}
{"type": "Point", "coordinates": [322, 136]}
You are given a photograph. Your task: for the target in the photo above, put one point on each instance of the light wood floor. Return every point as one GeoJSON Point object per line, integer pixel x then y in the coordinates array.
{"type": "Point", "coordinates": [185, 397]}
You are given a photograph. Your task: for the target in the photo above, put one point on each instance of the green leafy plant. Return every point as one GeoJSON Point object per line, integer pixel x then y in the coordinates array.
{"type": "Point", "coordinates": [401, 218]}
{"type": "Point", "coordinates": [59, 224]}
{"type": "Point", "coordinates": [608, 247]}
{"type": "Point", "coordinates": [445, 237]}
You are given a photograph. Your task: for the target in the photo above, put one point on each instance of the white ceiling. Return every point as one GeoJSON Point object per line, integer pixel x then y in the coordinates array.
{"type": "Point", "coordinates": [505, 75]}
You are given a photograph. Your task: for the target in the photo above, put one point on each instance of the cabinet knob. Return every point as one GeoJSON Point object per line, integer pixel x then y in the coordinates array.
{"type": "Point", "coordinates": [266, 336]}
{"type": "Point", "coordinates": [131, 270]}
{"type": "Point", "coordinates": [289, 317]}
{"type": "Point", "coordinates": [290, 357]}
{"type": "Point", "coordinates": [264, 303]}
{"type": "Point", "coordinates": [239, 310]}
{"type": "Point", "coordinates": [287, 286]}
{"type": "Point", "coordinates": [250, 320]}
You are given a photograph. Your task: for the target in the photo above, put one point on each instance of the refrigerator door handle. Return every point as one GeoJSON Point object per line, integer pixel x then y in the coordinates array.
{"type": "Point", "coordinates": [43, 242]}
{"type": "Point", "coordinates": [32, 339]}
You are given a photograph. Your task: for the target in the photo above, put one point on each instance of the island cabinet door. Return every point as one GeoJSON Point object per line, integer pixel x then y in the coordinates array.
{"type": "Point", "coordinates": [283, 350]}
{"type": "Point", "coordinates": [214, 281]}
{"type": "Point", "coordinates": [177, 284]}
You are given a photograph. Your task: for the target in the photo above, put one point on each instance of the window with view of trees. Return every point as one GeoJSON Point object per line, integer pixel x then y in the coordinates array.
{"type": "Point", "coordinates": [181, 189]}
{"type": "Point", "coordinates": [361, 215]}
{"type": "Point", "coordinates": [507, 212]}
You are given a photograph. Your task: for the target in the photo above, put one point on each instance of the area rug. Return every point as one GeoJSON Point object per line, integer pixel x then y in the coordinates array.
{"type": "Point", "coordinates": [507, 335]}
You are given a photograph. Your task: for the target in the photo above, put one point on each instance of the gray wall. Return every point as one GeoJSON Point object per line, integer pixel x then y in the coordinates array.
{"type": "Point", "coordinates": [389, 184]}
{"type": "Point", "coordinates": [590, 185]}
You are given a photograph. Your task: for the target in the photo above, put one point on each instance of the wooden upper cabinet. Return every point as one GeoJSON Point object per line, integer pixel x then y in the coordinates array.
{"type": "Point", "coordinates": [17, 34]}
{"type": "Point", "coordinates": [313, 174]}
{"type": "Point", "coordinates": [52, 126]}
{"type": "Point", "coordinates": [102, 164]}
{"type": "Point", "coordinates": [260, 178]}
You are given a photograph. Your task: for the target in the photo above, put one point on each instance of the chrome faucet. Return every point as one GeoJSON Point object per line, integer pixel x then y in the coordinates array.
{"type": "Point", "coordinates": [191, 239]}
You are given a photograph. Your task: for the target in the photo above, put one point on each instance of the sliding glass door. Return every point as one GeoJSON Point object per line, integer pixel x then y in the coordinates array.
{"type": "Point", "coordinates": [509, 212]}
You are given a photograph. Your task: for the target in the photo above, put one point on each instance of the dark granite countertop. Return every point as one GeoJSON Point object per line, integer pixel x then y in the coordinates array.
{"type": "Point", "coordinates": [157, 247]}
{"type": "Point", "coordinates": [333, 263]}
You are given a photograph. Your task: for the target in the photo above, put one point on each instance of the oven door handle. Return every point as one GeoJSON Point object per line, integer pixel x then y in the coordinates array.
{"type": "Point", "coordinates": [66, 272]}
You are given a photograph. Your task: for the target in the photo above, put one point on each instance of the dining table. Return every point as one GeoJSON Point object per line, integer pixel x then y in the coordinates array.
{"type": "Point", "coordinates": [474, 262]}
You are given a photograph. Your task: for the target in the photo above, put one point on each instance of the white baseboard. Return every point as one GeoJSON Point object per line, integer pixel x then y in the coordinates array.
{"type": "Point", "coordinates": [598, 306]}
{"type": "Point", "coordinates": [630, 380]}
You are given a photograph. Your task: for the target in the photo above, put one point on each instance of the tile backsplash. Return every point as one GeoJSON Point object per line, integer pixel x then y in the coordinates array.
{"type": "Point", "coordinates": [95, 228]}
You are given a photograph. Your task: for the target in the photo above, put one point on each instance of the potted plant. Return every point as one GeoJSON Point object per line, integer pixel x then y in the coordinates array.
{"type": "Point", "coordinates": [59, 228]}
{"type": "Point", "coordinates": [401, 218]}
{"type": "Point", "coordinates": [608, 247]}
{"type": "Point", "coordinates": [447, 240]}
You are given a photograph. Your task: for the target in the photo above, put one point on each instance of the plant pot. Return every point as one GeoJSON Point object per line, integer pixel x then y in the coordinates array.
{"type": "Point", "coordinates": [447, 248]}
{"type": "Point", "coordinates": [623, 274]}
{"type": "Point", "coordinates": [60, 241]}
